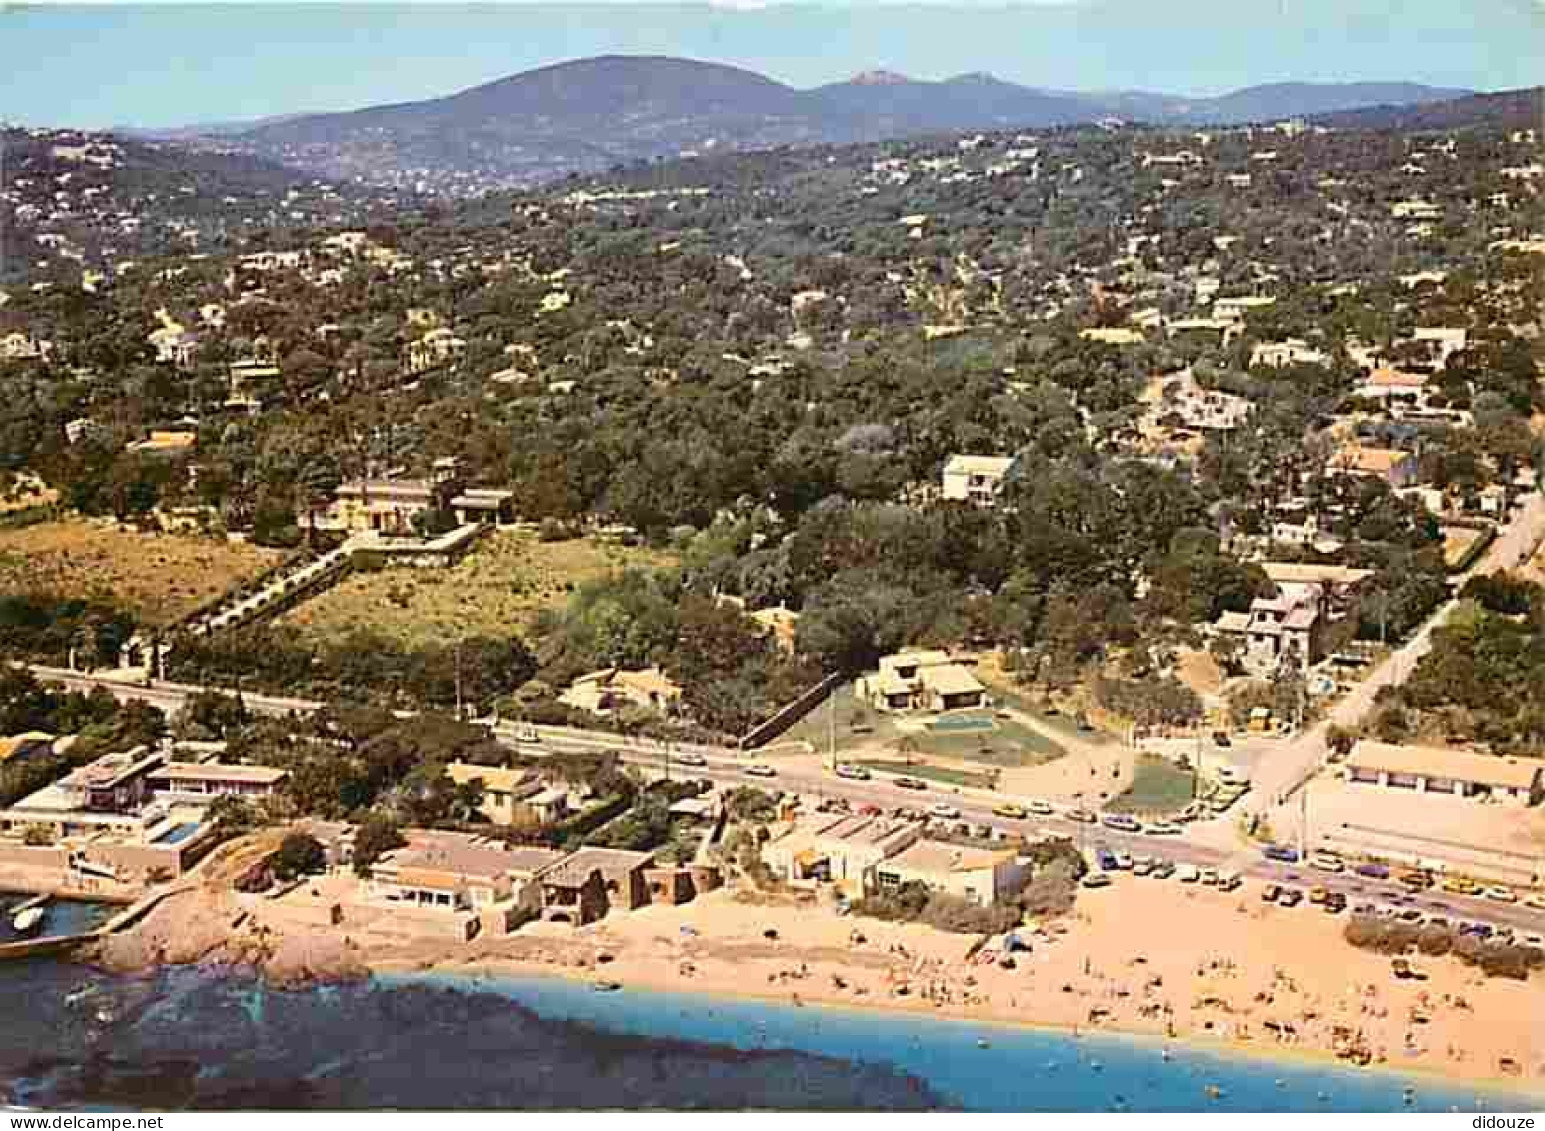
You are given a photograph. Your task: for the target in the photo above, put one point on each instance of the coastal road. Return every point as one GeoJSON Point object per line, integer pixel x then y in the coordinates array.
{"type": "Point", "coordinates": [1278, 778]}
{"type": "Point", "coordinates": [808, 778]}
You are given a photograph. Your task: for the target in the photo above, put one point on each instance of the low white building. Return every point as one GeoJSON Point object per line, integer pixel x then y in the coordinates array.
{"type": "Point", "coordinates": [976, 479]}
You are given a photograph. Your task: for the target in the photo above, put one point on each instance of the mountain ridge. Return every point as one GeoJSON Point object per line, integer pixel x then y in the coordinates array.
{"type": "Point", "coordinates": [585, 115]}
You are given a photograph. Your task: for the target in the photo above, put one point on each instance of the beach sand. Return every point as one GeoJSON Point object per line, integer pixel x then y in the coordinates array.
{"type": "Point", "coordinates": [1190, 964]}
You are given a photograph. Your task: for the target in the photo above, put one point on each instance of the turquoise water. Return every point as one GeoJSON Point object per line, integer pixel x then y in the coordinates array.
{"type": "Point", "coordinates": [1017, 1070]}
{"type": "Point", "coordinates": [178, 833]}
{"type": "Point", "coordinates": [63, 917]}
{"type": "Point", "coordinates": [962, 723]}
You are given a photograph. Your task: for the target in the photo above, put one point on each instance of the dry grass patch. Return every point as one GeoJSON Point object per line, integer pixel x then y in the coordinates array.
{"type": "Point", "coordinates": [158, 577]}
{"type": "Point", "coordinates": [497, 589]}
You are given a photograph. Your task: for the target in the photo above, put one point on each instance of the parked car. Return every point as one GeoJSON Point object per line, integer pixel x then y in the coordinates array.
{"type": "Point", "coordinates": [910, 783]}
{"type": "Point", "coordinates": [1290, 897]}
{"type": "Point", "coordinates": [689, 758]}
{"type": "Point", "coordinates": [1124, 861]}
{"type": "Point", "coordinates": [761, 770]}
{"type": "Point", "coordinates": [852, 772]}
{"type": "Point", "coordinates": [1164, 828]}
{"type": "Point", "coordinates": [1040, 808]}
{"type": "Point", "coordinates": [1317, 894]}
{"type": "Point", "coordinates": [1372, 870]}
{"type": "Point", "coordinates": [1163, 870]}
{"type": "Point", "coordinates": [1229, 881]}
{"type": "Point", "coordinates": [1210, 876]}
{"type": "Point", "coordinates": [1410, 915]}
{"type": "Point", "coordinates": [1082, 816]}
{"type": "Point", "coordinates": [1415, 880]}
{"type": "Point", "coordinates": [1142, 865]}
{"type": "Point", "coordinates": [1270, 892]}
{"type": "Point", "coordinates": [944, 812]}
{"type": "Point", "coordinates": [1221, 738]}
{"type": "Point", "coordinates": [1121, 822]}
{"type": "Point", "coordinates": [1188, 874]}
{"type": "Point", "coordinates": [1535, 900]}
{"type": "Point", "coordinates": [1327, 862]}
{"type": "Point", "coordinates": [1501, 894]}
{"type": "Point", "coordinates": [1106, 859]}
{"type": "Point", "coordinates": [1096, 880]}
{"type": "Point", "coordinates": [1335, 903]}
{"type": "Point", "coordinates": [1011, 811]}
{"type": "Point", "coordinates": [1281, 853]}
{"type": "Point", "coordinates": [1459, 885]}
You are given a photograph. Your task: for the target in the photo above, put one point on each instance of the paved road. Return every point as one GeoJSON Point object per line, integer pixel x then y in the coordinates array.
{"type": "Point", "coordinates": [1276, 779]}
{"type": "Point", "coordinates": [807, 778]}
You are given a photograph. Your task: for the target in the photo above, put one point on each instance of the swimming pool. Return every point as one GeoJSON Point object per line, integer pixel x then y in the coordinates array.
{"type": "Point", "coordinates": [962, 723]}
{"type": "Point", "coordinates": [178, 833]}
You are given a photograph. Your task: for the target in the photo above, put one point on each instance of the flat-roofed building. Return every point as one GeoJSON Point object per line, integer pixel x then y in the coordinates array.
{"type": "Point", "coordinates": [840, 850]}
{"type": "Point", "coordinates": [1457, 773]}
{"type": "Point", "coordinates": [586, 884]}
{"type": "Point", "coordinates": [204, 781]}
{"type": "Point", "coordinates": [977, 875]}
{"type": "Point", "coordinates": [452, 872]}
{"type": "Point", "coordinates": [976, 479]}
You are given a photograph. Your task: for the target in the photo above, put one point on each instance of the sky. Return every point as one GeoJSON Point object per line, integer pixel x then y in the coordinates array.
{"type": "Point", "coordinates": [93, 66]}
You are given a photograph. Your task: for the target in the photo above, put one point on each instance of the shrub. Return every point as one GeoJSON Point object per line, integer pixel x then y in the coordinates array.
{"type": "Point", "coordinates": [950, 913]}
{"type": "Point", "coordinates": [1435, 941]}
{"type": "Point", "coordinates": [299, 854]}
{"type": "Point", "coordinates": [376, 837]}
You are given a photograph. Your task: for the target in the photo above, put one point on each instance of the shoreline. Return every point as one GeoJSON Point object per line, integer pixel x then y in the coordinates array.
{"type": "Point", "coordinates": [496, 969]}
{"type": "Point", "coordinates": [1224, 977]}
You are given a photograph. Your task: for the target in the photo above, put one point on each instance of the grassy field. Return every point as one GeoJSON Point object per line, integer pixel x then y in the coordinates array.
{"type": "Point", "coordinates": [1158, 786]}
{"type": "Point", "coordinates": [862, 730]}
{"type": "Point", "coordinates": [931, 773]}
{"type": "Point", "coordinates": [496, 589]}
{"type": "Point", "coordinates": [159, 577]}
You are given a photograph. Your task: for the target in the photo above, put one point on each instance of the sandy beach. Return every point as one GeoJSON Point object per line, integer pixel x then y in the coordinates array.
{"type": "Point", "coordinates": [1188, 964]}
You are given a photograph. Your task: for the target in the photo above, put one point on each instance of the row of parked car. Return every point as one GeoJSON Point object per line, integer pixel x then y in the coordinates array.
{"type": "Point", "coordinates": [1413, 880]}
{"type": "Point", "coordinates": [1111, 860]}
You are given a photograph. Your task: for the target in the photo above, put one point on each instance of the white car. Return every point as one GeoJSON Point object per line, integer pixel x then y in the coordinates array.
{"type": "Point", "coordinates": [688, 758]}
{"type": "Point", "coordinates": [1535, 901]}
{"type": "Point", "coordinates": [944, 812]}
{"type": "Point", "coordinates": [761, 770]}
{"type": "Point", "coordinates": [1500, 894]}
{"type": "Point", "coordinates": [1188, 874]}
{"type": "Point", "coordinates": [1096, 880]}
{"type": "Point", "coordinates": [1039, 808]}
{"type": "Point", "coordinates": [1534, 941]}
{"type": "Point", "coordinates": [1327, 862]}
{"type": "Point", "coordinates": [1209, 876]}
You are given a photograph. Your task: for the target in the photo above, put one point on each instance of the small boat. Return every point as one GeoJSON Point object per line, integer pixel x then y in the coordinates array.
{"type": "Point", "coordinates": [983, 1043]}
{"type": "Point", "coordinates": [606, 987]}
{"type": "Point", "coordinates": [1213, 1092]}
{"type": "Point", "coordinates": [28, 921]}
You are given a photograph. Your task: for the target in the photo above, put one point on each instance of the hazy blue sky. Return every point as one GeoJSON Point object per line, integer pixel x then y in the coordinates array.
{"type": "Point", "coordinates": [176, 64]}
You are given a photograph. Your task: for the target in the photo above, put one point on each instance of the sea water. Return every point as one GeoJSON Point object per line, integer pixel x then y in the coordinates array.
{"type": "Point", "coordinates": [186, 1038]}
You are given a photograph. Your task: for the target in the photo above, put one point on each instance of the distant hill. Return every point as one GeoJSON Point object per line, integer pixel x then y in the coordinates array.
{"type": "Point", "coordinates": [1512, 109]}
{"type": "Point", "coordinates": [588, 115]}
{"type": "Point", "coordinates": [894, 105]}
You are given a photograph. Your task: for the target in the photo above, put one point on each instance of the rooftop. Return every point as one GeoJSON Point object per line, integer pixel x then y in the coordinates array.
{"type": "Point", "coordinates": [1439, 762]}
{"type": "Point", "coordinates": [575, 869]}
{"type": "Point", "coordinates": [212, 771]}
{"type": "Point", "coordinates": [940, 856]}
{"type": "Point", "coordinates": [978, 465]}
{"type": "Point", "coordinates": [464, 856]}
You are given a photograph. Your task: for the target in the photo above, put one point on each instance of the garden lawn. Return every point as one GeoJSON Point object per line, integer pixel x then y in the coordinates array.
{"type": "Point", "coordinates": [160, 578]}
{"type": "Point", "coordinates": [496, 590]}
{"type": "Point", "coordinates": [1158, 786]}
